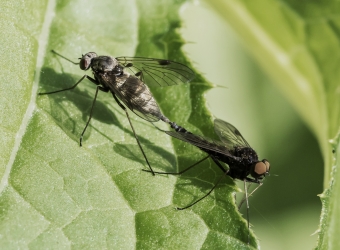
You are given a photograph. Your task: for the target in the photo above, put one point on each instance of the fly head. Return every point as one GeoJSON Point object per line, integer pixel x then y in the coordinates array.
{"type": "Point", "coordinates": [85, 60]}
{"type": "Point", "coordinates": [260, 169]}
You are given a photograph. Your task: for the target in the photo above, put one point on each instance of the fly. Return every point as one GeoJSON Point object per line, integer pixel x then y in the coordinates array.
{"type": "Point", "coordinates": [127, 79]}
{"type": "Point", "coordinates": [231, 149]}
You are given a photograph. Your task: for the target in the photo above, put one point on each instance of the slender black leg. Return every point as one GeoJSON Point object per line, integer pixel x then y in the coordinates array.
{"type": "Point", "coordinates": [260, 184]}
{"type": "Point", "coordinates": [72, 87]}
{"type": "Point", "coordinates": [57, 91]}
{"type": "Point", "coordinates": [225, 172]}
{"type": "Point", "coordinates": [181, 172]}
{"type": "Point", "coordinates": [219, 165]}
{"type": "Point", "coordinates": [88, 121]}
{"type": "Point", "coordinates": [207, 194]}
{"type": "Point", "coordinates": [246, 193]}
{"type": "Point", "coordinates": [75, 85]}
{"type": "Point", "coordinates": [244, 198]}
{"type": "Point", "coordinates": [94, 100]}
{"type": "Point", "coordinates": [133, 130]}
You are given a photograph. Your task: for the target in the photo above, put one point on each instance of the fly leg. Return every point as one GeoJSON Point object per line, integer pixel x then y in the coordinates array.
{"type": "Point", "coordinates": [207, 194]}
{"type": "Point", "coordinates": [133, 130]}
{"type": "Point", "coordinates": [72, 87]}
{"type": "Point", "coordinates": [181, 172]}
{"type": "Point", "coordinates": [246, 193]}
{"type": "Point", "coordinates": [90, 117]}
{"type": "Point", "coordinates": [54, 52]}
{"type": "Point", "coordinates": [75, 85]}
{"type": "Point", "coordinates": [244, 198]}
{"type": "Point", "coordinates": [94, 100]}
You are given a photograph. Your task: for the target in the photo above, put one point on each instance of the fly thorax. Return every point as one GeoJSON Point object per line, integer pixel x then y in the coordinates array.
{"type": "Point", "coordinates": [248, 155]}
{"type": "Point", "coordinates": [103, 64]}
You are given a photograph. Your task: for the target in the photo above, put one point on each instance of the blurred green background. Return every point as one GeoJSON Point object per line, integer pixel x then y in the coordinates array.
{"type": "Point", "coordinates": [285, 211]}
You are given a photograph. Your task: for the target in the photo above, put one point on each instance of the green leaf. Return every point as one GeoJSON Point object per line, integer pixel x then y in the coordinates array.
{"type": "Point", "coordinates": [55, 194]}
{"type": "Point", "coordinates": [297, 44]}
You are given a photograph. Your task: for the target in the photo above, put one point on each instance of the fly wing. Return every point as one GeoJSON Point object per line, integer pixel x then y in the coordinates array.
{"type": "Point", "coordinates": [134, 94]}
{"type": "Point", "coordinates": [157, 72]}
{"type": "Point", "coordinates": [229, 135]}
{"type": "Point", "coordinates": [204, 143]}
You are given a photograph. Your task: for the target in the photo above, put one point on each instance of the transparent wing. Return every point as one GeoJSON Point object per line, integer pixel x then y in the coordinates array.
{"type": "Point", "coordinates": [229, 135]}
{"type": "Point", "coordinates": [157, 72]}
{"type": "Point", "coordinates": [201, 142]}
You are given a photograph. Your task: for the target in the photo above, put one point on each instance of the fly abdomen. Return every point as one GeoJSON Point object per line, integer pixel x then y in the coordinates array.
{"type": "Point", "coordinates": [137, 96]}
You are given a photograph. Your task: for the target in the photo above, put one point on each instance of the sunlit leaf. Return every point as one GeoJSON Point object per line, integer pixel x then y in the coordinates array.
{"type": "Point", "coordinates": [55, 194]}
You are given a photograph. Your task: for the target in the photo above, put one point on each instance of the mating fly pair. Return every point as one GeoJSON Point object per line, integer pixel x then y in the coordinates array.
{"type": "Point", "coordinates": [112, 75]}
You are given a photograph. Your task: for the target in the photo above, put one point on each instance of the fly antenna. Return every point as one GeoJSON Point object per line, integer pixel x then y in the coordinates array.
{"type": "Point", "coordinates": [56, 53]}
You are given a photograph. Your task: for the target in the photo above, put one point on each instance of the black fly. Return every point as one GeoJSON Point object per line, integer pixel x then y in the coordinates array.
{"type": "Point", "coordinates": [231, 149]}
{"type": "Point", "coordinates": [111, 75]}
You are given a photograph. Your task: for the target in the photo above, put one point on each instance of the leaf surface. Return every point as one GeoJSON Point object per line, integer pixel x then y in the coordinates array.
{"type": "Point", "coordinates": [55, 194]}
